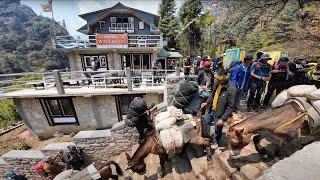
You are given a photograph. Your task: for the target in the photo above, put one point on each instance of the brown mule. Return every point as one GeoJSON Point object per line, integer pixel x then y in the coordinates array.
{"type": "Point", "coordinates": [274, 121]}
{"type": "Point", "coordinates": [50, 167]}
{"type": "Point", "coordinates": [151, 145]}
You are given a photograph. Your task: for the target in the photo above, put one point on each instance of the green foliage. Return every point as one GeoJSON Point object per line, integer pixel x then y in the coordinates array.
{"type": "Point", "coordinates": [8, 113]}
{"type": "Point", "coordinates": [190, 27]}
{"type": "Point", "coordinates": [168, 22]}
{"type": "Point", "coordinates": [25, 40]}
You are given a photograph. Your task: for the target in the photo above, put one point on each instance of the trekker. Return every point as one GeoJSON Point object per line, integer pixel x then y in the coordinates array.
{"type": "Point", "coordinates": [196, 65]}
{"type": "Point", "coordinates": [205, 80]}
{"type": "Point", "coordinates": [259, 54]}
{"type": "Point", "coordinates": [315, 76]}
{"type": "Point", "coordinates": [138, 116]}
{"type": "Point", "coordinates": [299, 71]}
{"type": "Point", "coordinates": [279, 80]}
{"type": "Point", "coordinates": [239, 78]}
{"type": "Point", "coordinates": [73, 158]}
{"type": "Point", "coordinates": [219, 108]}
{"type": "Point", "coordinates": [202, 61]}
{"type": "Point", "coordinates": [187, 66]}
{"type": "Point", "coordinates": [156, 66]}
{"type": "Point", "coordinates": [260, 73]}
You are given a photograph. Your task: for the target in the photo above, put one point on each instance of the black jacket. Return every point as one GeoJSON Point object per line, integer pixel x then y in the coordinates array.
{"type": "Point", "coordinates": [225, 101]}
{"type": "Point", "coordinates": [201, 78]}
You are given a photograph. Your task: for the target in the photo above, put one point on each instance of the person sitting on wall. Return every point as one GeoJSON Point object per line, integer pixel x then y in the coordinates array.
{"type": "Point", "coordinates": [139, 116]}
{"type": "Point", "coordinates": [73, 158]}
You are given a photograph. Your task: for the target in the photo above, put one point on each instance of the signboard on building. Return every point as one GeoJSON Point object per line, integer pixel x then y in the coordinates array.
{"type": "Point", "coordinates": [112, 40]}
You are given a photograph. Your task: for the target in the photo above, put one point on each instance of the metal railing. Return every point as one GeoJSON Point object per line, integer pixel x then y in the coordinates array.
{"type": "Point", "coordinates": [87, 41]}
{"type": "Point", "coordinates": [79, 79]}
{"type": "Point", "coordinates": [121, 29]}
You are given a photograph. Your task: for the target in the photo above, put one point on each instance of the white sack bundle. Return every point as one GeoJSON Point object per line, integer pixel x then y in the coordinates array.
{"type": "Point", "coordinates": [315, 95]}
{"type": "Point", "coordinates": [166, 123]}
{"type": "Point", "coordinates": [301, 90]}
{"type": "Point", "coordinates": [280, 99]}
{"type": "Point", "coordinates": [172, 139]}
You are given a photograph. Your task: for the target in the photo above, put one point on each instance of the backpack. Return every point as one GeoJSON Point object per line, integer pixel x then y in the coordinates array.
{"type": "Point", "coordinates": [137, 111]}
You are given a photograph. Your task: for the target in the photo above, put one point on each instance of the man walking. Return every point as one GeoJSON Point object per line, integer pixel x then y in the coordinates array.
{"type": "Point", "coordinates": [239, 78]}
{"type": "Point", "coordinates": [260, 73]}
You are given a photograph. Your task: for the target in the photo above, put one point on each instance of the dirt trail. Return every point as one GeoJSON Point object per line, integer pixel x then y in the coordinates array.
{"type": "Point", "coordinates": [22, 139]}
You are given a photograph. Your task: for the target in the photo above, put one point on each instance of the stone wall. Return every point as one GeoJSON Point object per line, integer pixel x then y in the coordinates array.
{"type": "Point", "coordinates": [21, 162]}
{"type": "Point", "coordinates": [101, 145]}
{"type": "Point", "coordinates": [171, 84]}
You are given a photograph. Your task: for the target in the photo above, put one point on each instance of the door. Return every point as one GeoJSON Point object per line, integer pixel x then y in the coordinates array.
{"type": "Point", "coordinates": [146, 61]}
{"type": "Point", "coordinates": [136, 61]}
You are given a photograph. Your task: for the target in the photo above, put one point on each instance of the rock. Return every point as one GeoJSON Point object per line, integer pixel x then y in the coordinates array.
{"type": "Point", "coordinates": [250, 171]}
{"type": "Point", "coordinates": [199, 164]}
{"type": "Point", "coordinates": [57, 134]}
{"type": "Point", "coordinates": [304, 164]}
{"type": "Point", "coordinates": [224, 159]}
{"type": "Point", "coordinates": [237, 176]}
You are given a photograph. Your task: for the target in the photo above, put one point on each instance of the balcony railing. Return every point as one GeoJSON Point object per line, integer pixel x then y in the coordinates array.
{"type": "Point", "coordinates": [89, 41]}
{"type": "Point", "coordinates": [121, 30]}
{"type": "Point", "coordinates": [79, 79]}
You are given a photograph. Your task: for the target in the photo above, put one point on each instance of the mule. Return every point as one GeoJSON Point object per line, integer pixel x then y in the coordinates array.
{"type": "Point", "coordinates": [103, 171]}
{"type": "Point", "coordinates": [284, 122]}
{"type": "Point", "coordinates": [151, 145]}
{"type": "Point", "coordinates": [50, 166]}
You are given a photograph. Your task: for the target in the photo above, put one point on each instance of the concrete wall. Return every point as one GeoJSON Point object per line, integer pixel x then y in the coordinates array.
{"type": "Point", "coordinates": [95, 112]}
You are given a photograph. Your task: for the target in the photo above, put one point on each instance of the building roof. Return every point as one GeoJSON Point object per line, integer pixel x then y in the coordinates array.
{"type": "Point", "coordinates": [169, 54]}
{"type": "Point", "coordinates": [119, 7]}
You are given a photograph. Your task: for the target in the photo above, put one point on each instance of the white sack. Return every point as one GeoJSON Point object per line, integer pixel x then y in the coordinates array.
{"type": "Point", "coordinates": [315, 95]}
{"type": "Point", "coordinates": [175, 112]}
{"type": "Point", "coordinates": [165, 124]}
{"type": "Point", "coordinates": [301, 90]}
{"type": "Point", "coordinates": [280, 99]}
{"type": "Point", "coordinates": [171, 139]}
{"type": "Point", "coordinates": [162, 116]}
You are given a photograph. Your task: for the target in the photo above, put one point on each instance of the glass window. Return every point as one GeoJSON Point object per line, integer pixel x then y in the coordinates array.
{"type": "Point", "coordinates": [125, 20]}
{"type": "Point", "coordinates": [103, 61]}
{"type": "Point", "coordinates": [146, 61]}
{"type": "Point", "coordinates": [130, 19]}
{"type": "Point", "coordinates": [102, 25]}
{"type": "Point", "coordinates": [141, 25]}
{"type": "Point", "coordinates": [113, 19]}
{"type": "Point", "coordinates": [54, 107]}
{"type": "Point", "coordinates": [119, 20]}
{"type": "Point", "coordinates": [87, 61]}
{"type": "Point", "coordinates": [136, 61]}
{"type": "Point", "coordinates": [119, 25]}
{"type": "Point", "coordinates": [59, 111]}
{"type": "Point", "coordinates": [67, 107]}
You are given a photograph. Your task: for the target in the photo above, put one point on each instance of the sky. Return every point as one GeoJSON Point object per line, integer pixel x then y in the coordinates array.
{"type": "Point", "coordinates": [69, 10]}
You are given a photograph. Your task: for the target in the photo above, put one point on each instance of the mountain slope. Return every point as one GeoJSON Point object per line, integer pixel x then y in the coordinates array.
{"type": "Point", "coordinates": [25, 40]}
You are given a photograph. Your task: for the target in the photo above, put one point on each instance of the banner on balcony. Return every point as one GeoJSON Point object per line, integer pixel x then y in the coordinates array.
{"type": "Point", "coordinates": [112, 40]}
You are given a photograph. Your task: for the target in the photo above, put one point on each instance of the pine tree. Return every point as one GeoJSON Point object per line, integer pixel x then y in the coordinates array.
{"type": "Point", "coordinates": [190, 26]}
{"type": "Point", "coordinates": [167, 22]}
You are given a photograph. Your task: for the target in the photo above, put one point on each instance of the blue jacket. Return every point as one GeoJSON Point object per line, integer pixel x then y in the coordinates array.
{"type": "Point", "coordinates": [240, 76]}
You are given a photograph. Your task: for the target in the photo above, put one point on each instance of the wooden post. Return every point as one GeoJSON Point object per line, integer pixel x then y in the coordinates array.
{"type": "Point", "coordinates": [129, 82]}
{"type": "Point", "coordinates": [58, 81]}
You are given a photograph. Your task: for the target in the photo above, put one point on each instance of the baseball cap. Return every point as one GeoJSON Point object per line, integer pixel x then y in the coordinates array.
{"type": "Point", "coordinates": [265, 57]}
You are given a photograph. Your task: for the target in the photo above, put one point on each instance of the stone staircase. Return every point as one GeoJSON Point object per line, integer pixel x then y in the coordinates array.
{"type": "Point", "coordinates": [193, 164]}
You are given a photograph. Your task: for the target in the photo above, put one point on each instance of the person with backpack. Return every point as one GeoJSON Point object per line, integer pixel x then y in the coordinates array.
{"type": "Point", "coordinates": [205, 80]}
{"type": "Point", "coordinates": [73, 158]}
{"type": "Point", "coordinates": [139, 116]}
{"type": "Point", "coordinates": [239, 78]}
{"type": "Point", "coordinates": [279, 80]}
{"type": "Point", "coordinates": [260, 74]}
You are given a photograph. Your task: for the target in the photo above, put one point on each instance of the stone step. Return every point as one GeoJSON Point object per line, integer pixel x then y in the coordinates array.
{"type": "Point", "coordinates": [215, 170]}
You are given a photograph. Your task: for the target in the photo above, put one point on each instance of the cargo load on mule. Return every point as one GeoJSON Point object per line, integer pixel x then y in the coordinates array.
{"type": "Point", "coordinates": [185, 93]}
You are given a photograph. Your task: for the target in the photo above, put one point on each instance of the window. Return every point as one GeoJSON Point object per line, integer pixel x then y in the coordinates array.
{"type": "Point", "coordinates": [102, 59]}
{"type": "Point", "coordinates": [123, 102]}
{"type": "Point", "coordinates": [113, 19]}
{"type": "Point", "coordinates": [141, 25]}
{"type": "Point", "coordinates": [119, 25]}
{"type": "Point", "coordinates": [59, 111]}
{"type": "Point", "coordinates": [102, 25]}
{"type": "Point", "coordinates": [125, 25]}
{"type": "Point", "coordinates": [131, 22]}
